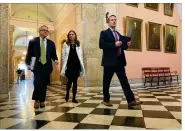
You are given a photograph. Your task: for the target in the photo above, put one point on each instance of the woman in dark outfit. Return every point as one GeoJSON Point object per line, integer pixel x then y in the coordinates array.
{"type": "Point", "coordinates": [73, 66]}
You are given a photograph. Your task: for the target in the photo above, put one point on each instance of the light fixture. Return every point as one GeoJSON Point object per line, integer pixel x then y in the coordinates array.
{"type": "Point", "coordinates": [22, 57]}
{"type": "Point", "coordinates": [30, 37]}
{"type": "Point", "coordinates": [24, 53]}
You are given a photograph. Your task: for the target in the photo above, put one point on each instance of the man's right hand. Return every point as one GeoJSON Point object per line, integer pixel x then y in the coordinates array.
{"type": "Point", "coordinates": [29, 67]}
{"type": "Point", "coordinates": [118, 43]}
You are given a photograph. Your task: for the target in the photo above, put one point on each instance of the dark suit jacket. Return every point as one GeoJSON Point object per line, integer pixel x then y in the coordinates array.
{"type": "Point", "coordinates": [34, 51]}
{"type": "Point", "coordinates": [107, 43]}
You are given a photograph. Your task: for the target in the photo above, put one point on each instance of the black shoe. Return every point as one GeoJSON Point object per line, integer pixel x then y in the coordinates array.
{"type": "Point", "coordinates": [67, 97]}
{"type": "Point", "coordinates": [75, 101]}
{"type": "Point", "coordinates": [42, 105]}
{"type": "Point", "coordinates": [134, 103]}
{"type": "Point", "coordinates": [107, 103]}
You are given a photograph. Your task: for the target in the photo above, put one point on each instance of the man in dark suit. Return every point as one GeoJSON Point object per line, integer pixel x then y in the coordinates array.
{"type": "Point", "coordinates": [113, 60]}
{"type": "Point", "coordinates": [170, 42]}
{"type": "Point", "coordinates": [135, 37]}
{"type": "Point", "coordinates": [44, 50]}
{"type": "Point", "coordinates": [155, 40]}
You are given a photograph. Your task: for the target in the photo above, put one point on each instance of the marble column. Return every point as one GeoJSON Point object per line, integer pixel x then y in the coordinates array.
{"type": "Point", "coordinates": [89, 23]}
{"type": "Point", "coordinates": [11, 55]}
{"type": "Point", "coordinates": [4, 33]}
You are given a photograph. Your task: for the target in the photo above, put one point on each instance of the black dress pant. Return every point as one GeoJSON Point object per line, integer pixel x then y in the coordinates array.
{"type": "Point", "coordinates": [70, 80]}
{"type": "Point", "coordinates": [107, 77]}
{"type": "Point", "coordinates": [41, 80]}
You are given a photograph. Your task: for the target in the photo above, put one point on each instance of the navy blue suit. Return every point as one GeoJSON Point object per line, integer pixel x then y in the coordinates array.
{"type": "Point", "coordinates": [113, 63]}
{"type": "Point", "coordinates": [41, 72]}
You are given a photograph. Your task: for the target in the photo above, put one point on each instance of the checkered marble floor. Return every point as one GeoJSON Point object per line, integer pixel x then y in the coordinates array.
{"type": "Point", "coordinates": [161, 109]}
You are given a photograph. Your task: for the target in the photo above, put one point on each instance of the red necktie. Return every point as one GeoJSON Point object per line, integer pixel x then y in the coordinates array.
{"type": "Point", "coordinates": [116, 37]}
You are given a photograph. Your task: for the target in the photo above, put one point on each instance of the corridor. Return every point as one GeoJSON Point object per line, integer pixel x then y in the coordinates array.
{"type": "Point", "coordinates": [161, 109]}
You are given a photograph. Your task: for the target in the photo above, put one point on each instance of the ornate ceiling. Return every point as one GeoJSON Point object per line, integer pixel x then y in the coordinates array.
{"type": "Point", "coordinates": [44, 12]}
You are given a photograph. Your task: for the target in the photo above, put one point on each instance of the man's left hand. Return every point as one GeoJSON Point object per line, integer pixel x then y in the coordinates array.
{"type": "Point", "coordinates": [129, 43]}
{"type": "Point", "coordinates": [56, 62]}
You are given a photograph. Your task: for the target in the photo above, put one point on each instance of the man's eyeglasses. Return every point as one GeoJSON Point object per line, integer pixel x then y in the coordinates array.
{"type": "Point", "coordinates": [45, 30]}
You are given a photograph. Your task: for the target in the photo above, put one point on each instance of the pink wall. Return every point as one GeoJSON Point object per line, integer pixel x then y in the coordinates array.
{"type": "Point", "coordinates": [137, 60]}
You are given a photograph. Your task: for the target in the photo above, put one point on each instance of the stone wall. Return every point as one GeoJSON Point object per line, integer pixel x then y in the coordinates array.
{"type": "Point", "coordinates": [4, 33]}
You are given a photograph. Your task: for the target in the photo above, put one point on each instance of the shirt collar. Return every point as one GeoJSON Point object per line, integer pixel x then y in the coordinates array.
{"type": "Point", "coordinates": [112, 29]}
{"type": "Point", "coordinates": [41, 39]}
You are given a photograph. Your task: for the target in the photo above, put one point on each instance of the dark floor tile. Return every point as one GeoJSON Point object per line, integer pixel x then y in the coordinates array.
{"type": "Point", "coordinates": [124, 106]}
{"type": "Point", "coordinates": [179, 121]}
{"type": "Point", "coordinates": [172, 92]}
{"type": "Point", "coordinates": [177, 97]}
{"type": "Point", "coordinates": [101, 111]}
{"type": "Point", "coordinates": [60, 109]}
{"type": "Point", "coordinates": [51, 99]}
{"type": "Point", "coordinates": [71, 117]}
{"type": "Point", "coordinates": [3, 105]}
{"type": "Point", "coordinates": [147, 97]}
{"type": "Point", "coordinates": [30, 124]}
{"type": "Point", "coordinates": [91, 105]}
{"type": "Point", "coordinates": [157, 114]}
{"type": "Point", "coordinates": [80, 100]}
{"type": "Point", "coordinates": [54, 103]}
{"type": "Point", "coordinates": [88, 95]}
{"type": "Point", "coordinates": [160, 94]}
{"type": "Point", "coordinates": [128, 121]}
{"type": "Point", "coordinates": [151, 103]}
{"type": "Point", "coordinates": [167, 100]}
{"type": "Point", "coordinates": [1, 110]}
{"type": "Point", "coordinates": [96, 98]}
{"type": "Point", "coordinates": [91, 126]}
{"type": "Point", "coordinates": [173, 108]}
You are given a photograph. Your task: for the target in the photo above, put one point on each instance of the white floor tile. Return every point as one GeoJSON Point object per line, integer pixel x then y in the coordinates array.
{"type": "Point", "coordinates": [159, 123]}
{"type": "Point", "coordinates": [177, 115]}
{"type": "Point", "coordinates": [47, 116]}
{"type": "Point", "coordinates": [7, 107]}
{"type": "Point", "coordinates": [8, 113]}
{"type": "Point", "coordinates": [124, 128]}
{"type": "Point", "coordinates": [171, 103]}
{"type": "Point", "coordinates": [125, 112]}
{"type": "Point", "coordinates": [81, 110]}
{"type": "Point", "coordinates": [93, 101]}
{"type": "Point", "coordinates": [98, 119]}
{"type": "Point", "coordinates": [45, 108]}
{"type": "Point", "coordinates": [153, 107]}
{"type": "Point", "coordinates": [148, 99]}
{"type": "Point", "coordinates": [8, 122]}
{"type": "Point", "coordinates": [69, 104]}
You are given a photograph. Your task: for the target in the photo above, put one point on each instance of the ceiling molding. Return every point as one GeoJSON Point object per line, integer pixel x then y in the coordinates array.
{"type": "Point", "coordinates": [29, 23]}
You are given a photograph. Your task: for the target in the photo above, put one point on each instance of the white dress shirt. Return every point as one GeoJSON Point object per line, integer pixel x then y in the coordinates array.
{"type": "Point", "coordinates": [45, 42]}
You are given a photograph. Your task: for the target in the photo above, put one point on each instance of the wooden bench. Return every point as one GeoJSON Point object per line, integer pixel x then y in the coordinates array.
{"type": "Point", "coordinates": [158, 74]}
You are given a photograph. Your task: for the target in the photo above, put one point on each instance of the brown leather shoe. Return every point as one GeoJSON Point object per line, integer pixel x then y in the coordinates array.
{"type": "Point", "coordinates": [36, 104]}
{"type": "Point", "coordinates": [42, 105]}
{"type": "Point", "coordinates": [107, 103]}
{"type": "Point", "coordinates": [134, 103]}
